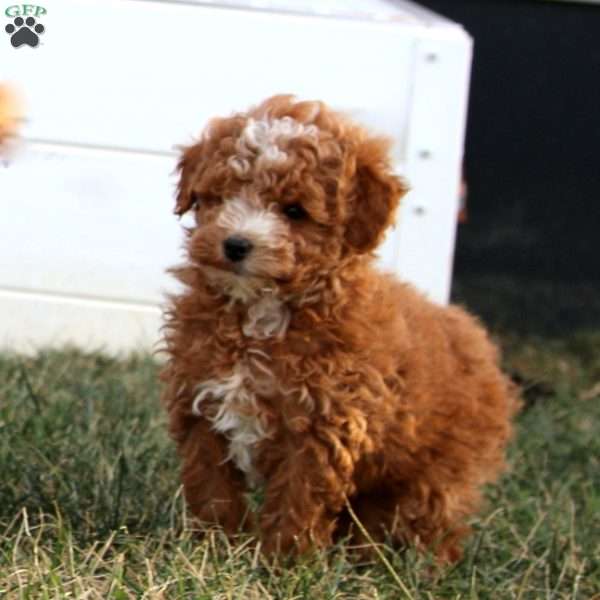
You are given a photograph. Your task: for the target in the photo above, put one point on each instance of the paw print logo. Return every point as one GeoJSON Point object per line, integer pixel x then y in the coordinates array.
{"type": "Point", "coordinates": [24, 32]}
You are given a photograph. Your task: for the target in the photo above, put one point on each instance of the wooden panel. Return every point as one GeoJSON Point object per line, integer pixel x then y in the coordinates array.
{"type": "Point", "coordinates": [435, 138]}
{"type": "Point", "coordinates": [89, 223]}
{"type": "Point", "coordinates": [30, 321]}
{"type": "Point", "coordinates": [403, 11]}
{"type": "Point", "coordinates": [147, 75]}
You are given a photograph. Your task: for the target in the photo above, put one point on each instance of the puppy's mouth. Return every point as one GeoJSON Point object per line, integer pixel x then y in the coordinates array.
{"type": "Point", "coordinates": [239, 272]}
{"type": "Point", "coordinates": [238, 288]}
{"type": "Point", "coordinates": [240, 278]}
{"type": "Point", "coordinates": [235, 257]}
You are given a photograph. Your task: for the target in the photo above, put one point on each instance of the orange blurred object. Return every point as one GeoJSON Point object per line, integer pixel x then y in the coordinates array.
{"type": "Point", "coordinates": [11, 115]}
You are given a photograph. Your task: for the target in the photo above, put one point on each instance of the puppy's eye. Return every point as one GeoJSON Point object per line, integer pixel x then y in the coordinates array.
{"type": "Point", "coordinates": [295, 211]}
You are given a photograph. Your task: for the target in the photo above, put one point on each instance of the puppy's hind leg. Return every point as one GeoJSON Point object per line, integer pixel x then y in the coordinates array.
{"type": "Point", "coordinates": [406, 515]}
{"type": "Point", "coordinates": [372, 518]}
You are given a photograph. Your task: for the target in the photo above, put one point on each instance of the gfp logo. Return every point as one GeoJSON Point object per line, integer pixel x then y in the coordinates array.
{"type": "Point", "coordinates": [24, 29]}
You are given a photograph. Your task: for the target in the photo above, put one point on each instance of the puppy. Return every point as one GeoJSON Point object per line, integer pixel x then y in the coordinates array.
{"type": "Point", "coordinates": [295, 365]}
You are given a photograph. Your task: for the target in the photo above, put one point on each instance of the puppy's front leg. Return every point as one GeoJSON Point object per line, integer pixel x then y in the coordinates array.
{"type": "Point", "coordinates": [305, 492]}
{"type": "Point", "coordinates": [213, 487]}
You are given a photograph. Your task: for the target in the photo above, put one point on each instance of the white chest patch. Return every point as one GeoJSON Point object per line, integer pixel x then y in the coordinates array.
{"type": "Point", "coordinates": [267, 317]}
{"type": "Point", "coordinates": [235, 416]}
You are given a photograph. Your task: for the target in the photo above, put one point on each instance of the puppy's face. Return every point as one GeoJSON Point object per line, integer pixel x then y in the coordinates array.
{"type": "Point", "coordinates": [284, 192]}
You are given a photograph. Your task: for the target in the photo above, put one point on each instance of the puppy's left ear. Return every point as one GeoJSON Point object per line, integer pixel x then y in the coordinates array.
{"type": "Point", "coordinates": [188, 165]}
{"type": "Point", "coordinates": [376, 195]}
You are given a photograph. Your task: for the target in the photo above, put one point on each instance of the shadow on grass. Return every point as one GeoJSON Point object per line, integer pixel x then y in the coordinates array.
{"type": "Point", "coordinates": [526, 306]}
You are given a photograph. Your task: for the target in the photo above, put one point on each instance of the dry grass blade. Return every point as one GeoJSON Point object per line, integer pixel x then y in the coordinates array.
{"type": "Point", "coordinates": [378, 551]}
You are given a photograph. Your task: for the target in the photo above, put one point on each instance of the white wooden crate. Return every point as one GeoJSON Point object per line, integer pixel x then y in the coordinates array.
{"type": "Point", "coordinates": [86, 230]}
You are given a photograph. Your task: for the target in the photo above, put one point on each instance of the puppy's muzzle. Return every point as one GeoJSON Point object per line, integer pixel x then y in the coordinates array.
{"type": "Point", "coordinates": [236, 248]}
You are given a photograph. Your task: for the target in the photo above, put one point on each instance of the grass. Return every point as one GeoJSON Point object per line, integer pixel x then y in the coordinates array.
{"type": "Point", "coordinates": [90, 505]}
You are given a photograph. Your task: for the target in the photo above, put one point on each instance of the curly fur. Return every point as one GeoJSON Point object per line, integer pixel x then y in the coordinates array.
{"type": "Point", "coordinates": [302, 366]}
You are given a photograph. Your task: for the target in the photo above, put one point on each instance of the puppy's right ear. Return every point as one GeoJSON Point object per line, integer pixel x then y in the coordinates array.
{"type": "Point", "coordinates": [377, 192]}
{"type": "Point", "coordinates": [188, 167]}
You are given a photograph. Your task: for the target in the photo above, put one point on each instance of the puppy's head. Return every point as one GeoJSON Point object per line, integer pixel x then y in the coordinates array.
{"type": "Point", "coordinates": [284, 192]}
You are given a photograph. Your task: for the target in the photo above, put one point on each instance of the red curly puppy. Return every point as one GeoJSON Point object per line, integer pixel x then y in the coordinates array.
{"type": "Point", "coordinates": [295, 364]}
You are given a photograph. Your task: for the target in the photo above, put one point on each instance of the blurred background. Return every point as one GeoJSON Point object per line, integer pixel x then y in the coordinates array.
{"type": "Point", "coordinates": [532, 164]}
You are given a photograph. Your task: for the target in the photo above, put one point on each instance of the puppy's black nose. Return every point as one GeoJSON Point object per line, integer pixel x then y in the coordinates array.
{"type": "Point", "coordinates": [236, 248]}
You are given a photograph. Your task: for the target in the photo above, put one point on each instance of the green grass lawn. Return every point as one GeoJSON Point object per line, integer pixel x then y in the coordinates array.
{"type": "Point", "coordinates": [90, 505]}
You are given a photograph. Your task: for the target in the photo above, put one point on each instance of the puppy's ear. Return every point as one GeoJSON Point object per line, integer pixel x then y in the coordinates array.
{"type": "Point", "coordinates": [376, 194]}
{"type": "Point", "coordinates": [188, 166]}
